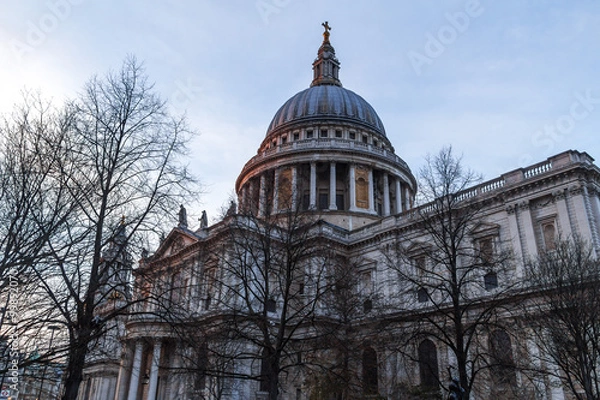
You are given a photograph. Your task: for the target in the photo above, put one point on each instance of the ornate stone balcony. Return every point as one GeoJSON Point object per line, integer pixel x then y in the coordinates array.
{"type": "Point", "coordinates": [328, 144]}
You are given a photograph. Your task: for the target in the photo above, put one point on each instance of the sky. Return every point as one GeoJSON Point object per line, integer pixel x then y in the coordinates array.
{"type": "Point", "coordinates": [507, 83]}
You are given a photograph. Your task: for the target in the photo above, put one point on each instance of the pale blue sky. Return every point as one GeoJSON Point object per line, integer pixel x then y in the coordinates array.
{"type": "Point", "coordinates": [493, 78]}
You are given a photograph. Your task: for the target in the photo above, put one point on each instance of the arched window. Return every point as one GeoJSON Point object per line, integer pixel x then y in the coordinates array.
{"type": "Point", "coordinates": [369, 371]}
{"type": "Point", "coordinates": [428, 364]}
{"type": "Point", "coordinates": [549, 233]}
{"type": "Point", "coordinates": [501, 358]}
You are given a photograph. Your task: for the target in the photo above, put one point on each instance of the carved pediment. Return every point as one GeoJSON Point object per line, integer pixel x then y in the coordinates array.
{"type": "Point", "coordinates": [417, 248]}
{"type": "Point", "coordinates": [483, 229]}
{"type": "Point", "coordinates": [176, 240]}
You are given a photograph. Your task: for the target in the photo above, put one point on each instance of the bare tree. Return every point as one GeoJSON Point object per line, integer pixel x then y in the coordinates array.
{"type": "Point", "coordinates": [334, 368]}
{"type": "Point", "coordinates": [33, 210]}
{"type": "Point", "coordinates": [272, 278]}
{"type": "Point", "coordinates": [119, 171]}
{"type": "Point", "coordinates": [565, 302]}
{"type": "Point", "coordinates": [447, 277]}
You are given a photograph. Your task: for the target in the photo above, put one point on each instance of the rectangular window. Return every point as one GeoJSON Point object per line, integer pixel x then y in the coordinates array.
{"type": "Point", "coordinates": [420, 264]}
{"type": "Point", "coordinates": [366, 282]}
{"type": "Point", "coordinates": [309, 134]}
{"type": "Point", "coordinates": [365, 139]}
{"type": "Point", "coordinates": [422, 295]}
{"type": "Point", "coordinates": [323, 133]}
{"type": "Point", "coordinates": [339, 201]}
{"type": "Point", "coordinates": [283, 139]}
{"type": "Point", "coordinates": [367, 305]}
{"type": "Point", "coordinates": [490, 281]}
{"type": "Point", "coordinates": [296, 136]}
{"type": "Point", "coordinates": [352, 136]}
{"type": "Point", "coordinates": [338, 133]}
{"type": "Point", "coordinates": [486, 250]}
{"type": "Point", "coordinates": [270, 305]}
{"type": "Point", "coordinates": [323, 201]}
{"type": "Point", "coordinates": [305, 201]}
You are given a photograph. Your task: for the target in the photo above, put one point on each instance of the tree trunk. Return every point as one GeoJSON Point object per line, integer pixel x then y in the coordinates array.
{"type": "Point", "coordinates": [273, 380]}
{"type": "Point", "coordinates": [74, 371]}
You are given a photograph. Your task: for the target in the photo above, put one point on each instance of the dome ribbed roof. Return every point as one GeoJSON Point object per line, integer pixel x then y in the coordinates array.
{"type": "Point", "coordinates": [327, 102]}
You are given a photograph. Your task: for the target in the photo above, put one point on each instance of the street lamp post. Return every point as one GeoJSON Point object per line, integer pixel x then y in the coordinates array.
{"type": "Point", "coordinates": [53, 328]}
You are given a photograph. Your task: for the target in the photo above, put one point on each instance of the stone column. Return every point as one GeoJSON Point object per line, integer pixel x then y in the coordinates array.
{"type": "Point", "coordinates": [399, 208]}
{"type": "Point", "coordinates": [584, 219]}
{"type": "Point", "coordinates": [564, 222]}
{"type": "Point", "coordinates": [386, 195]}
{"type": "Point", "coordinates": [352, 188]}
{"type": "Point", "coordinates": [136, 371]}
{"type": "Point", "coordinates": [262, 196]}
{"type": "Point", "coordinates": [528, 234]}
{"type": "Point", "coordinates": [154, 371]}
{"type": "Point", "coordinates": [515, 238]}
{"type": "Point", "coordinates": [124, 372]}
{"type": "Point", "coordinates": [294, 187]}
{"type": "Point", "coordinates": [406, 198]}
{"type": "Point", "coordinates": [313, 185]}
{"type": "Point", "coordinates": [275, 191]}
{"type": "Point", "coordinates": [332, 186]}
{"type": "Point", "coordinates": [371, 192]}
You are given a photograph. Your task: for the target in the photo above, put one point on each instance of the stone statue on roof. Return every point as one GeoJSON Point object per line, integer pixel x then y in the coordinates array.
{"type": "Point", "coordinates": [182, 217]}
{"type": "Point", "coordinates": [203, 220]}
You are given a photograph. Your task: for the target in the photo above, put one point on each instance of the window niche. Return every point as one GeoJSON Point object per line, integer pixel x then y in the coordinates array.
{"type": "Point", "coordinates": [270, 305]}
{"type": "Point", "coordinates": [370, 371]}
{"type": "Point", "coordinates": [548, 232]}
{"type": "Point", "coordinates": [490, 281]}
{"type": "Point", "coordinates": [428, 365]}
{"type": "Point", "coordinates": [422, 295]}
{"type": "Point", "coordinates": [486, 250]}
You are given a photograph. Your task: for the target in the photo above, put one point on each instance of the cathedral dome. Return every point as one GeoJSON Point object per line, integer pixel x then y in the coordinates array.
{"type": "Point", "coordinates": [326, 150]}
{"type": "Point", "coordinates": [328, 101]}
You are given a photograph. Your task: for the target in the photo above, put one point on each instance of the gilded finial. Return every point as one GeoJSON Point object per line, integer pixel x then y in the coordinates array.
{"type": "Point", "coordinates": [326, 33]}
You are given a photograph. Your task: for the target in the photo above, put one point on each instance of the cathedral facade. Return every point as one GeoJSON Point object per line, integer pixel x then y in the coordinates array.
{"type": "Point", "coordinates": [345, 299]}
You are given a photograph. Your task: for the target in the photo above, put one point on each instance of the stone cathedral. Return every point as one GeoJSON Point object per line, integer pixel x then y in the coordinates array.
{"type": "Point", "coordinates": [326, 155]}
